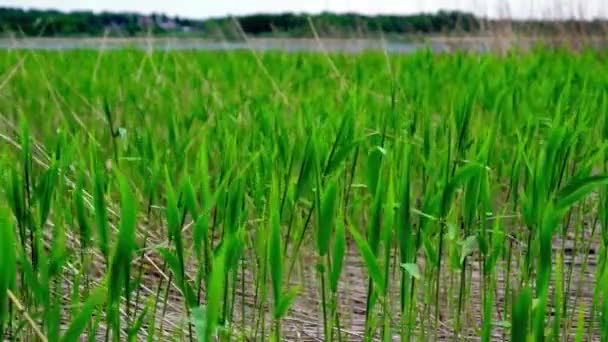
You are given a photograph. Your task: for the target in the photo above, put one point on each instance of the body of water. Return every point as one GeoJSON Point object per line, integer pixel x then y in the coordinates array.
{"type": "Point", "coordinates": [332, 45]}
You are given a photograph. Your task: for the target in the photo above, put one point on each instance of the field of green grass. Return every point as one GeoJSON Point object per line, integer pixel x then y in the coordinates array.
{"type": "Point", "coordinates": [248, 196]}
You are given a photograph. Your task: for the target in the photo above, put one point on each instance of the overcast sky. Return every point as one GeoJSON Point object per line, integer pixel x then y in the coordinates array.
{"type": "Point", "coordinates": [588, 9]}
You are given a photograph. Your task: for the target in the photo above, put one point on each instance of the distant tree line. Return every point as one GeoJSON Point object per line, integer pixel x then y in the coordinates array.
{"type": "Point", "coordinates": [55, 23]}
{"type": "Point", "coordinates": [83, 23]}
{"type": "Point", "coordinates": [338, 24]}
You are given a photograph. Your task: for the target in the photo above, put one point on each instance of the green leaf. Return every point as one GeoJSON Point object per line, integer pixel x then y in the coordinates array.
{"type": "Point", "coordinates": [412, 270]}
{"type": "Point", "coordinates": [205, 189]}
{"type": "Point", "coordinates": [371, 263]}
{"type": "Point", "coordinates": [200, 231]}
{"type": "Point", "coordinates": [340, 155]}
{"type": "Point", "coordinates": [26, 153]}
{"type": "Point", "coordinates": [172, 211]}
{"type": "Point", "coordinates": [187, 189]}
{"type": "Point", "coordinates": [215, 288]}
{"type": "Point", "coordinates": [174, 264]}
{"type": "Point", "coordinates": [286, 301]}
{"type": "Point", "coordinates": [338, 151]}
{"type": "Point", "coordinates": [170, 259]}
{"type": "Point", "coordinates": [101, 215]}
{"type": "Point", "coordinates": [199, 319]}
{"type": "Point", "coordinates": [136, 326]}
{"type": "Point", "coordinates": [462, 175]}
{"type": "Point", "coordinates": [469, 245]}
{"type": "Point", "coordinates": [452, 231]}
{"type": "Point", "coordinates": [338, 256]}
{"type": "Point", "coordinates": [128, 218]}
{"type": "Point", "coordinates": [328, 203]}
{"type": "Point", "coordinates": [58, 250]}
{"type": "Point", "coordinates": [275, 250]}
{"type": "Point", "coordinates": [429, 249]}
{"type": "Point", "coordinates": [502, 324]}
{"type": "Point", "coordinates": [83, 223]}
{"type": "Point", "coordinates": [521, 316]}
{"type": "Point", "coordinates": [45, 192]}
{"type": "Point", "coordinates": [388, 216]}
{"type": "Point", "coordinates": [374, 161]}
{"type": "Point", "coordinates": [15, 198]}
{"type": "Point", "coordinates": [487, 312]}
{"type": "Point", "coordinates": [8, 263]}
{"type": "Point", "coordinates": [404, 225]}
{"type": "Point", "coordinates": [120, 267]}
{"type": "Point", "coordinates": [307, 168]}
{"type": "Point", "coordinates": [578, 189]}
{"type": "Point", "coordinates": [80, 321]}
{"type": "Point", "coordinates": [374, 229]}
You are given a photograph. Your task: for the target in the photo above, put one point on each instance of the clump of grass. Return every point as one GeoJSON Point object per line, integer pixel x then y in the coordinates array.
{"type": "Point", "coordinates": [447, 196]}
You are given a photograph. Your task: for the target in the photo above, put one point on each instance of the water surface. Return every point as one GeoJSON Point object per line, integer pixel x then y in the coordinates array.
{"type": "Point", "coordinates": [271, 44]}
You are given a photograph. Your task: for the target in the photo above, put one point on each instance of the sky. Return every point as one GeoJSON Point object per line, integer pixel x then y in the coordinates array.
{"type": "Point", "coordinates": [588, 9]}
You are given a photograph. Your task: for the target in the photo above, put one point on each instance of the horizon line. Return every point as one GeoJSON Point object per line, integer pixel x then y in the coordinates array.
{"type": "Point", "coordinates": [312, 13]}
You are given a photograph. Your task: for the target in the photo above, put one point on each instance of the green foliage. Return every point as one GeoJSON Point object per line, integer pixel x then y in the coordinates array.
{"type": "Point", "coordinates": [81, 214]}
{"type": "Point", "coordinates": [371, 263]}
{"type": "Point", "coordinates": [326, 218]}
{"type": "Point", "coordinates": [101, 216]}
{"type": "Point", "coordinates": [275, 253]}
{"type": "Point", "coordinates": [82, 318]}
{"type": "Point", "coordinates": [413, 270]}
{"type": "Point", "coordinates": [8, 262]}
{"type": "Point", "coordinates": [339, 252]}
{"type": "Point", "coordinates": [228, 194]}
{"type": "Point", "coordinates": [211, 312]}
{"type": "Point", "coordinates": [119, 277]}
{"type": "Point", "coordinates": [521, 316]}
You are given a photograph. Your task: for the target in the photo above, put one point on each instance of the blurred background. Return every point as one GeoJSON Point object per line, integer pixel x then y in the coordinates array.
{"type": "Point", "coordinates": [272, 24]}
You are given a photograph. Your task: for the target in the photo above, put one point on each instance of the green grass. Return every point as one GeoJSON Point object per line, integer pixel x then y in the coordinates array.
{"type": "Point", "coordinates": [274, 196]}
